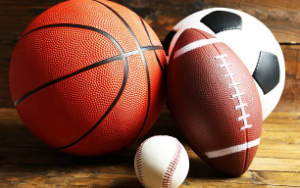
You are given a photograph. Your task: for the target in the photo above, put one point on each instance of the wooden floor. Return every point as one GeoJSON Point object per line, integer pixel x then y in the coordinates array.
{"type": "Point", "coordinates": [26, 162]}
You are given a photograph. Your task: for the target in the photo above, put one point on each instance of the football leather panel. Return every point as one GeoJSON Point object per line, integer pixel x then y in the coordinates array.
{"type": "Point", "coordinates": [203, 103]}
{"type": "Point", "coordinates": [219, 21]}
{"type": "Point", "coordinates": [267, 72]}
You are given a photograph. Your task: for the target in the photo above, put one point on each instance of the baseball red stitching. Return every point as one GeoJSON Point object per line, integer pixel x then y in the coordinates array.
{"type": "Point", "coordinates": [172, 166]}
{"type": "Point", "coordinates": [139, 162]}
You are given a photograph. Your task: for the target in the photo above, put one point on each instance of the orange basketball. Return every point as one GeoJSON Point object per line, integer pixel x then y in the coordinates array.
{"type": "Point", "coordinates": [87, 77]}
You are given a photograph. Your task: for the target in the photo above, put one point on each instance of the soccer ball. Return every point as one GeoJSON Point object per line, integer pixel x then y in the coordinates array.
{"type": "Point", "coordinates": [250, 39]}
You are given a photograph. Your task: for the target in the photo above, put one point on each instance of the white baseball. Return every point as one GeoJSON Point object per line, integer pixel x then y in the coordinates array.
{"type": "Point", "coordinates": [161, 162]}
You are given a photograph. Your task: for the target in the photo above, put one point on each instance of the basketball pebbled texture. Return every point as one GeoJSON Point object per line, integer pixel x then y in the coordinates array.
{"type": "Point", "coordinates": [87, 77]}
{"type": "Point", "coordinates": [205, 103]}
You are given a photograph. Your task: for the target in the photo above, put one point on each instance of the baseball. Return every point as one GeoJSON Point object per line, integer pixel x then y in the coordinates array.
{"type": "Point", "coordinates": [161, 161]}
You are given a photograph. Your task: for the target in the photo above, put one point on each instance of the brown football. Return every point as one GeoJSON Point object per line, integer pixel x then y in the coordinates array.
{"type": "Point", "coordinates": [214, 102]}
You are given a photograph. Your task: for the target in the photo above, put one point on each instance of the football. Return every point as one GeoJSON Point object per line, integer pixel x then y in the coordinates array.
{"type": "Point", "coordinates": [214, 101]}
{"type": "Point", "coordinates": [250, 39]}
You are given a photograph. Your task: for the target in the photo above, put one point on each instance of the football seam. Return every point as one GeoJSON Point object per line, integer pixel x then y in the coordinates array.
{"type": "Point", "coordinates": [238, 119]}
{"type": "Point", "coordinates": [246, 133]}
{"type": "Point", "coordinates": [238, 95]}
{"type": "Point", "coordinates": [192, 142]}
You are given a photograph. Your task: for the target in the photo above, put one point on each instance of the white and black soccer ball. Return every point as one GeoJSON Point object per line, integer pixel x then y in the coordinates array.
{"type": "Point", "coordinates": [250, 39]}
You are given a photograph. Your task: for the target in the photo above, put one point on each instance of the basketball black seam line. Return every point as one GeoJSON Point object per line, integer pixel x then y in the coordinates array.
{"type": "Point", "coordinates": [26, 95]}
{"type": "Point", "coordinates": [107, 111]}
{"type": "Point", "coordinates": [115, 101]}
{"type": "Point", "coordinates": [123, 84]}
{"type": "Point", "coordinates": [208, 159]}
{"type": "Point", "coordinates": [89, 67]}
{"type": "Point", "coordinates": [158, 60]}
{"type": "Point", "coordinates": [94, 65]}
{"type": "Point", "coordinates": [143, 58]}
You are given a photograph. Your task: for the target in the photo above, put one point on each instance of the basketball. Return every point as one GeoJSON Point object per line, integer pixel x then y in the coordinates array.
{"type": "Point", "coordinates": [87, 77]}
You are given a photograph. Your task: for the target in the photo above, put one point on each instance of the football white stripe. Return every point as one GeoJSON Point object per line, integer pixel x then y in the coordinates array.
{"type": "Point", "coordinates": [194, 45]}
{"type": "Point", "coordinates": [233, 149]}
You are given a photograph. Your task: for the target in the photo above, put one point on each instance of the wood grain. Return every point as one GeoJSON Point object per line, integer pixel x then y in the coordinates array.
{"type": "Point", "coordinates": [282, 17]}
{"type": "Point", "coordinates": [27, 162]}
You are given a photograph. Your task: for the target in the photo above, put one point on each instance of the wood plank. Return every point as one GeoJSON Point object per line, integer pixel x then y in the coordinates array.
{"type": "Point", "coordinates": [25, 161]}
{"type": "Point", "coordinates": [293, 107]}
{"type": "Point", "coordinates": [292, 83]}
{"type": "Point", "coordinates": [281, 16]}
{"type": "Point", "coordinates": [117, 171]}
{"type": "Point", "coordinates": [108, 176]}
{"type": "Point", "coordinates": [249, 179]}
{"type": "Point", "coordinates": [274, 164]}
